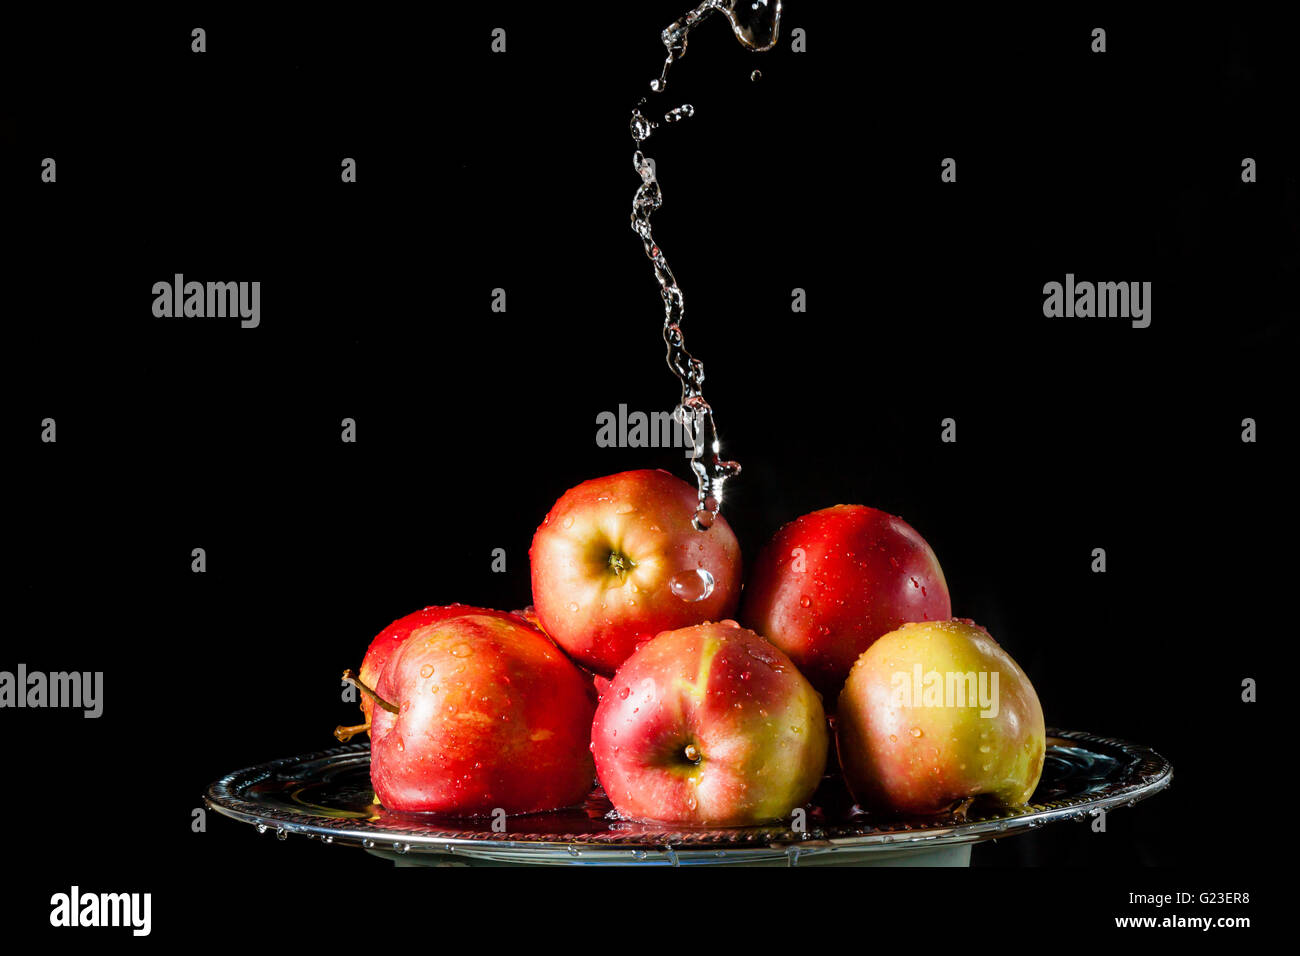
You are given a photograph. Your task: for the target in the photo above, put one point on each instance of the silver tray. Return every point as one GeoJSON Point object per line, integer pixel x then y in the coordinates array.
{"type": "Point", "coordinates": [327, 796]}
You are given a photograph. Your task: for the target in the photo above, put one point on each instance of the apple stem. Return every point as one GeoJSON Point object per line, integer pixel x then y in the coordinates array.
{"type": "Point", "coordinates": [344, 734]}
{"type": "Point", "coordinates": [621, 564]}
{"type": "Point", "coordinates": [355, 681]}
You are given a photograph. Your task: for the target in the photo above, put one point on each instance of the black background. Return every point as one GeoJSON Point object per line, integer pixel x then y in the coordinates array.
{"type": "Point", "coordinates": [479, 171]}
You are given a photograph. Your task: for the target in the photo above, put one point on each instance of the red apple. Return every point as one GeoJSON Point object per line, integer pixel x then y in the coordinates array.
{"type": "Point", "coordinates": [617, 560]}
{"type": "Point", "coordinates": [831, 582]}
{"type": "Point", "coordinates": [391, 638]}
{"type": "Point", "coordinates": [595, 682]}
{"type": "Point", "coordinates": [937, 712]}
{"type": "Point", "coordinates": [488, 714]}
{"type": "Point", "coordinates": [709, 726]}
{"type": "Point", "coordinates": [529, 614]}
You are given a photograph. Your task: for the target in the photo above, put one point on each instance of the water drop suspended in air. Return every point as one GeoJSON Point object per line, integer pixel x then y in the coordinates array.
{"type": "Point", "coordinates": [640, 127]}
{"type": "Point", "coordinates": [691, 585]}
{"type": "Point", "coordinates": [756, 23]}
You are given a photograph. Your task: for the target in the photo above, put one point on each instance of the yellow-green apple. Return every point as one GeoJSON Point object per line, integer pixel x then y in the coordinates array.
{"type": "Point", "coordinates": [617, 560]}
{"type": "Point", "coordinates": [478, 712]}
{"type": "Point", "coordinates": [709, 726]}
{"type": "Point", "coordinates": [391, 638]}
{"type": "Point", "coordinates": [934, 713]}
{"type": "Point", "coordinates": [832, 581]}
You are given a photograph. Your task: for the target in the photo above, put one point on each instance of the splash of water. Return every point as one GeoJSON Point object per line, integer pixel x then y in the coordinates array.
{"type": "Point", "coordinates": [756, 24]}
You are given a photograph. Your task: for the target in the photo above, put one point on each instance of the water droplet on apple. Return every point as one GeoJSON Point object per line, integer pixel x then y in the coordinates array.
{"type": "Point", "coordinates": [573, 606]}
{"type": "Point", "coordinates": [568, 522]}
{"type": "Point", "coordinates": [760, 653]}
{"type": "Point", "coordinates": [893, 738]}
{"type": "Point", "coordinates": [694, 584]}
{"type": "Point", "coordinates": [916, 731]}
{"type": "Point", "coordinates": [622, 694]}
{"type": "Point", "coordinates": [461, 650]}
{"type": "Point", "coordinates": [984, 748]}
{"type": "Point", "coordinates": [624, 509]}
{"type": "Point", "coordinates": [805, 601]}
{"type": "Point", "coordinates": [426, 670]}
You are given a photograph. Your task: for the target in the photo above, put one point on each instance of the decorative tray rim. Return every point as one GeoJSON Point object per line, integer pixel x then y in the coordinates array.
{"type": "Point", "coordinates": [1146, 774]}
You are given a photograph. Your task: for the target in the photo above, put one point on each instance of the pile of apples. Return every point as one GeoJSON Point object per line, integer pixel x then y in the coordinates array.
{"type": "Point", "coordinates": [631, 670]}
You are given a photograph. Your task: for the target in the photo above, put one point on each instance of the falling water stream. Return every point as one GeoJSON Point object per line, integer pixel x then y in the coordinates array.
{"type": "Point", "coordinates": [756, 24]}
